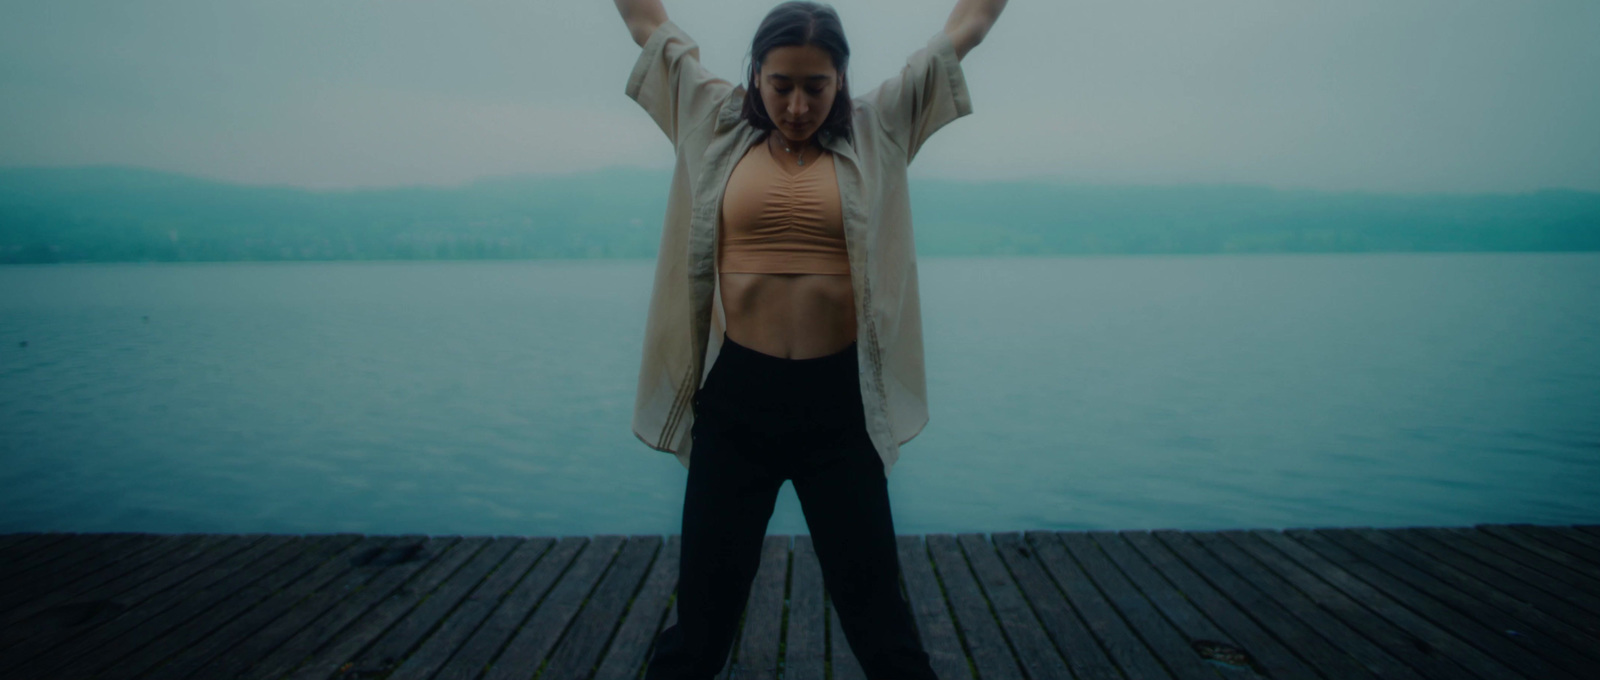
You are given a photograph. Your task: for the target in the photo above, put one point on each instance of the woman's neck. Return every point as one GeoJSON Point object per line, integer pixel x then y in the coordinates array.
{"type": "Point", "coordinates": [784, 144]}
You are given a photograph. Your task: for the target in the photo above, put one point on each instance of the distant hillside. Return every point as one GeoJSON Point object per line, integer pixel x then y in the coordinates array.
{"type": "Point", "coordinates": [110, 214]}
{"type": "Point", "coordinates": [1025, 218]}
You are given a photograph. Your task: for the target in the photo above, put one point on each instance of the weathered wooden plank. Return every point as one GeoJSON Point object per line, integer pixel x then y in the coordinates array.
{"type": "Point", "coordinates": [1030, 645]}
{"type": "Point", "coordinates": [1440, 555]}
{"type": "Point", "coordinates": [390, 650]}
{"type": "Point", "coordinates": [543, 629]}
{"type": "Point", "coordinates": [643, 622]}
{"type": "Point", "coordinates": [17, 546]}
{"type": "Point", "coordinates": [585, 641]}
{"type": "Point", "coordinates": [1285, 595]}
{"type": "Point", "coordinates": [1170, 647]}
{"type": "Point", "coordinates": [552, 596]}
{"type": "Point", "coordinates": [398, 564]}
{"type": "Point", "coordinates": [757, 656]}
{"type": "Point", "coordinates": [1515, 618]}
{"type": "Point", "coordinates": [1591, 529]}
{"type": "Point", "coordinates": [1466, 616]}
{"type": "Point", "coordinates": [1404, 643]}
{"type": "Point", "coordinates": [342, 654]}
{"type": "Point", "coordinates": [841, 659]}
{"type": "Point", "coordinates": [62, 548]}
{"type": "Point", "coordinates": [143, 595]}
{"type": "Point", "coordinates": [985, 643]}
{"type": "Point", "coordinates": [1573, 533]}
{"type": "Point", "coordinates": [282, 617]}
{"type": "Point", "coordinates": [1121, 645]}
{"type": "Point", "coordinates": [502, 622]}
{"type": "Point", "coordinates": [93, 554]}
{"type": "Point", "coordinates": [1571, 542]}
{"type": "Point", "coordinates": [34, 540]}
{"type": "Point", "coordinates": [1502, 561]}
{"type": "Point", "coordinates": [1444, 632]}
{"type": "Point", "coordinates": [126, 575]}
{"type": "Point", "coordinates": [1582, 575]}
{"type": "Point", "coordinates": [132, 635]}
{"type": "Point", "coordinates": [805, 641]}
{"type": "Point", "coordinates": [41, 549]}
{"type": "Point", "coordinates": [1132, 579]}
{"type": "Point", "coordinates": [79, 547]}
{"type": "Point", "coordinates": [934, 625]}
{"type": "Point", "coordinates": [1580, 588]}
{"type": "Point", "coordinates": [106, 568]}
{"type": "Point", "coordinates": [1497, 601]}
{"type": "Point", "coordinates": [9, 541]}
{"type": "Point", "coordinates": [223, 622]}
{"type": "Point", "coordinates": [1078, 647]}
{"type": "Point", "coordinates": [445, 641]}
{"type": "Point", "coordinates": [1274, 659]}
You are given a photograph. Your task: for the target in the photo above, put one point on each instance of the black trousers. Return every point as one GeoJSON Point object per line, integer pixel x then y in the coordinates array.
{"type": "Point", "coordinates": [760, 420]}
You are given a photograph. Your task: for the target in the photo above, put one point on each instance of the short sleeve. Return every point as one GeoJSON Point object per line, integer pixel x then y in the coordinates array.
{"type": "Point", "coordinates": [929, 92]}
{"type": "Point", "coordinates": [671, 85]}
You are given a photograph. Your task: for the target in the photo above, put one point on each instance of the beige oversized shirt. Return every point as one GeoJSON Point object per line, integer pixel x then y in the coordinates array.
{"type": "Point", "coordinates": [683, 333]}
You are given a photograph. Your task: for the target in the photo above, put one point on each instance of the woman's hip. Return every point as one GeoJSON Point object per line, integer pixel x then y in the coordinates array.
{"type": "Point", "coordinates": [773, 395]}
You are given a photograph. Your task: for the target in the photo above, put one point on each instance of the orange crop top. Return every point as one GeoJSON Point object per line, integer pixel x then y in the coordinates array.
{"type": "Point", "coordinates": [774, 223]}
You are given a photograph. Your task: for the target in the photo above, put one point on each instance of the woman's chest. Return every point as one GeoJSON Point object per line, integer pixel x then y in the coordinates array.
{"type": "Point", "coordinates": [764, 193]}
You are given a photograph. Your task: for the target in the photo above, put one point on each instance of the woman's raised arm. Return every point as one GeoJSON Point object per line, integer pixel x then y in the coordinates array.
{"type": "Point", "coordinates": [642, 17]}
{"type": "Point", "coordinates": [969, 22]}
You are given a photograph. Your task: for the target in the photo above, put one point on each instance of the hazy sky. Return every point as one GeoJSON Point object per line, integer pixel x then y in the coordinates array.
{"type": "Point", "coordinates": [1381, 95]}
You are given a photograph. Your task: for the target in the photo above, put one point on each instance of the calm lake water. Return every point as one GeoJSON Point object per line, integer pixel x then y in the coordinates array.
{"type": "Point", "coordinates": [1187, 392]}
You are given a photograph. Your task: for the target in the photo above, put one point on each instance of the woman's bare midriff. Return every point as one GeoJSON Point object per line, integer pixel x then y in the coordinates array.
{"type": "Point", "coordinates": [791, 316]}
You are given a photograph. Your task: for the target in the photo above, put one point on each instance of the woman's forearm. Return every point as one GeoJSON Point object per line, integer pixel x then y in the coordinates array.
{"type": "Point", "coordinates": [970, 22]}
{"type": "Point", "coordinates": [642, 17]}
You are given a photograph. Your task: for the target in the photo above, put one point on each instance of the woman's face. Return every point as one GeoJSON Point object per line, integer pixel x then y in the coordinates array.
{"type": "Point", "coordinates": [798, 85]}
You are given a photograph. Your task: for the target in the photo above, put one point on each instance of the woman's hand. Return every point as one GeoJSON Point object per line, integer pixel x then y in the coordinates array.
{"type": "Point", "coordinates": [642, 17]}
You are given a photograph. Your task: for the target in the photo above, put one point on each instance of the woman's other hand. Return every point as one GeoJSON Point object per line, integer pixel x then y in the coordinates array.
{"type": "Point", "coordinates": [642, 17]}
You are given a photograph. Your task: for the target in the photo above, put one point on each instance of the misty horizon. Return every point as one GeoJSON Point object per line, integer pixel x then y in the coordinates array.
{"type": "Point", "coordinates": [1423, 97]}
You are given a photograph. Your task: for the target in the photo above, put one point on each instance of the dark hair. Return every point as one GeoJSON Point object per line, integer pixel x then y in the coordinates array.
{"type": "Point", "coordinates": [799, 24]}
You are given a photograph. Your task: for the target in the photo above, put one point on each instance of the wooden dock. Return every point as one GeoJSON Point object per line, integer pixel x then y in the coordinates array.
{"type": "Point", "coordinates": [1490, 602]}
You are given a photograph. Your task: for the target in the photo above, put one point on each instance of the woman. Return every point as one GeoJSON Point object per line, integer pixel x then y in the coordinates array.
{"type": "Point", "coordinates": [784, 326]}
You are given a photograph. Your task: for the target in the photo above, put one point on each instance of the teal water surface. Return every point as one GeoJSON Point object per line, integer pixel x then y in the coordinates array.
{"type": "Point", "coordinates": [1187, 392]}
